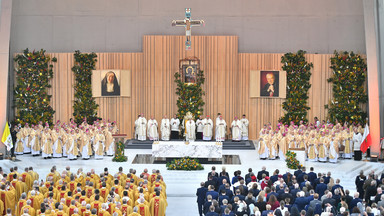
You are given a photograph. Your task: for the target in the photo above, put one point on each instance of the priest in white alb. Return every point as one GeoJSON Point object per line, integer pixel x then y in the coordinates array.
{"type": "Point", "coordinates": [221, 126]}
{"type": "Point", "coordinates": [236, 129]}
{"type": "Point", "coordinates": [208, 126]}
{"type": "Point", "coordinates": [141, 128]}
{"type": "Point", "coordinates": [200, 128]}
{"type": "Point", "coordinates": [175, 124]}
{"type": "Point", "coordinates": [190, 128]}
{"type": "Point", "coordinates": [244, 128]}
{"type": "Point", "coordinates": [165, 129]}
{"type": "Point", "coordinates": [152, 129]}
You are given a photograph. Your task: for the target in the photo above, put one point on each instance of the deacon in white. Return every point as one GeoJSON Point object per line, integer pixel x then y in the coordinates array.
{"type": "Point", "coordinates": [175, 124]}
{"type": "Point", "coordinates": [357, 140]}
{"type": "Point", "coordinates": [141, 127]}
{"type": "Point", "coordinates": [221, 126]}
{"type": "Point", "coordinates": [165, 128]}
{"type": "Point", "coordinates": [200, 128]}
{"type": "Point", "coordinates": [208, 126]}
{"type": "Point", "coordinates": [152, 129]}
{"type": "Point", "coordinates": [236, 129]}
{"type": "Point", "coordinates": [190, 128]}
{"type": "Point", "coordinates": [244, 128]}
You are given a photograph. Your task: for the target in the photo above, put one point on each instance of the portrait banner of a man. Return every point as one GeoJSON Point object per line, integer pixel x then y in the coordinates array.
{"type": "Point", "coordinates": [111, 83]}
{"type": "Point", "coordinates": [268, 83]}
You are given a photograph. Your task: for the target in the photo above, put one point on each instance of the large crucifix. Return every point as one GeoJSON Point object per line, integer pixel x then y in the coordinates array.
{"type": "Point", "coordinates": [187, 23]}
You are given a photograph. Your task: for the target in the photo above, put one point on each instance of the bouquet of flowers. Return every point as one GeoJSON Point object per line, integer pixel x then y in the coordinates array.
{"type": "Point", "coordinates": [185, 164]}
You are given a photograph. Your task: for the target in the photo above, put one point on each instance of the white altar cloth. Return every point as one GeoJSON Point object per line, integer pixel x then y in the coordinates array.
{"type": "Point", "coordinates": [176, 149]}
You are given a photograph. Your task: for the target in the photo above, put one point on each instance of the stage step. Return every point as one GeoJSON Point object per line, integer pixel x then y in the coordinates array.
{"type": "Point", "coordinates": [227, 145]}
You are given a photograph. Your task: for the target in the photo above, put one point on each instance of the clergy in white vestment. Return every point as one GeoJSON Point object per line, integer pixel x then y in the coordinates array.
{"type": "Point", "coordinates": [200, 128]}
{"type": "Point", "coordinates": [236, 129]}
{"type": "Point", "coordinates": [244, 128]}
{"type": "Point", "coordinates": [208, 126]}
{"type": "Point", "coordinates": [357, 140]}
{"type": "Point", "coordinates": [190, 129]}
{"type": "Point", "coordinates": [175, 124]}
{"type": "Point", "coordinates": [141, 128]}
{"type": "Point", "coordinates": [221, 126]}
{"type": "Point", "coordinates": [152, 129]}
{"type": "Point", "coordinates": [165, 128]}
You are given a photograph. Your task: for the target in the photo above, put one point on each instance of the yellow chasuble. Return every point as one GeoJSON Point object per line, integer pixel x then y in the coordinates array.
{"type": "Point", "coordinates": [157, 207]}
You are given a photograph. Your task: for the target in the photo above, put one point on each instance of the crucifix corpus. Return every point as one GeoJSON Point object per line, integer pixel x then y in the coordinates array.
{"type": "Point", "coordinates": [187, 23]}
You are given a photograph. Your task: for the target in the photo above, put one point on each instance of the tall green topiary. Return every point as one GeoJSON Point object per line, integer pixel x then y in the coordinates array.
{"type": "Point", "coordinates": [190, 96]}
{"type": "Point", "coordinates": [85, 105]}
{"type": "Point", "coordinates": [298, 76]}
{"type": "Point", "coordinates": [33, 73]}
{"type": "Point", "coordinates": [348, 79]}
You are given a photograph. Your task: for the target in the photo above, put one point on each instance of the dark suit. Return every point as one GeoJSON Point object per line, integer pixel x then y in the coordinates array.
{"type": "Point", "coordinates": [297, 173]}
{"type": "Point", "coordinates": [214, 194]}
{"type": "Point", "coordinates": [330, 201]}
{"type": "Point", "coordinates": [201, 194]}
{"type": "Point", "coordinates": [206, 207]}
{"type": "Point", "coordinates": [283, 196]}
{"type": "Point", "coordinates": [260, 174]}
{"type": "Point", "coordinates": [313, 203]}
{"type": "Point", "coordinates": [300, 177]}
{"type": "Point", "coordinates": [301, 202]}
{"type": "Point", "coordinates": [320, 189]}
{"type": "Point", "coordinates": [311, 177]}
{"type": "Point", "coordinates": [354, 203]}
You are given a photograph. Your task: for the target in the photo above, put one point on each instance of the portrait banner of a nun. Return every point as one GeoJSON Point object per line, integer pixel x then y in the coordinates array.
{"type": "Point", "coordinates": [110, 83]}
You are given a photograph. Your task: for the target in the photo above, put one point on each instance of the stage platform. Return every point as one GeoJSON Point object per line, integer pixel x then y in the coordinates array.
{"type": "Point", "coordinates": [227, 145]}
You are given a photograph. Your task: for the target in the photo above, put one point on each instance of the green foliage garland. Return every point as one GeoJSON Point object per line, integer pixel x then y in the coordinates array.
{"type": "Point", "coordinates": [185, 164]}
{"type": "Point", "coordinates": [298, 76]}
{"type": "Point", "coordinates": [348, 79]}
{"type": "Point", "coordinates": [292, 162]}
{"type": "Point", "coordinates": [119, 156]}
{"type": "Point", "coordinates": [33, 72]}
{"type": "Point", "coordinates": [190, 96]}
{"type": "Point", "coordinates": [85, 105]}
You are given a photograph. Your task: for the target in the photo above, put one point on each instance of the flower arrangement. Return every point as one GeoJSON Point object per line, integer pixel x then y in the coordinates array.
{"type": "Point", "coordinates": [32, 101]}
{"type": "Point", "coordinates": [348, 80]}
{"type": "Point", "coordinates": [292, 162]}
{"type": "Point", "coordinates": [298, 76]}
{"type": "Point", "coordinates": [84, 105]}
{"type": "Point", "coordinates": [185, 164]}
{"type": "Point", "coordinates": [119, 155]}
{"type": "Point", "coordinates": [190, 96]}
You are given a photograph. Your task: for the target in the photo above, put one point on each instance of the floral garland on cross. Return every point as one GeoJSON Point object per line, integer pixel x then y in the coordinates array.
{"type": "Point", "coordinates": [33, 73]}
{"type": "Point", "coordinates": [298, 76]}
{"type": "Point", "coordinates": [190, 96]}
{"type": "Point", "coordinates": [85, 105]}
{"type": "Point", "coordinates": [348, 79]}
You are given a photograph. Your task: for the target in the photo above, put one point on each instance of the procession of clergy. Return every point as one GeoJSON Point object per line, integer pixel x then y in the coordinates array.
{"type": "Point", "coordinates": [82, 194]}
{"type": "Point", "coordinates": [322, 142]}
{"type": "Point", "coordinates": [201, 129]}
{"type": "Point", "coordinates": [67, 140]}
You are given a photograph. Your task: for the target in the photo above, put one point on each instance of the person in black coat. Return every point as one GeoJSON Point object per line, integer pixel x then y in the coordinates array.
{"type": "Point", "coordinates": [354, 202]}
{"type": "Point", "coordinates": [211, 181]}
{"type": "Point", "coordinates": [213, 173]}
{"type": "Point", "coordinates": [298, 171]}
{"type": "Point", "coordinates": [359, 182]}
{"type": "Point", "coordinates": [14, 131]}
{"type": "Point", "coordinates": [320, 188]}
{"type": "Point", "coordinates": [260, 173]}
{"type": "Point", "coordinates": [207, 205]}
{"type": "Point", "coordinates": [285, 195]}
{"type": "Point", "coordinates": [370, 192]}
{"type": "Point", "coordinates": [201, 194]}
{"type": "Point", "coordinates": [312, 176]}
{"type": "Point", "coordinates": [329, 201]}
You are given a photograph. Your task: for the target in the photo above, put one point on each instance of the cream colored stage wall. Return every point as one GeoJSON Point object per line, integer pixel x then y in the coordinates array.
{"type": "Point", "coordinates": [227, 83]}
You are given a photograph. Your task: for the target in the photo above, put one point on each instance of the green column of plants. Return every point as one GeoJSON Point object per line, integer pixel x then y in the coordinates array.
{"type": "Point", "coordinates": [85, 105]}
{"type": "Point", "coordinates": [190, 96]}
{"type": "Point", "coordinates": [348, 79]}
{"type": "Point", "coordinates": [298, 76]}
{"type": "Point", "coordinates": [32, 101]}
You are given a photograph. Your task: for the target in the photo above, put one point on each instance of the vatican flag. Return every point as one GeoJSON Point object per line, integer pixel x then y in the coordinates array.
{"type": "Point", "coordinates": [7, 138]}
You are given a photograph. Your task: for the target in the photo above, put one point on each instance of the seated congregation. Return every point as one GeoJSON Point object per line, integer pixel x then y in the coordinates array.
{"type": "Point", "coordinates": [298, 193]}
{"type": "Point", "coordinates": [82, 194]}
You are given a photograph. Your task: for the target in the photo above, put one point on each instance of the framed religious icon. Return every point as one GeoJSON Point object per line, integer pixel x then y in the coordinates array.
{"type": "Point", "coordinates": [267, 84]}
{"type": "Point", "coordinates": [188, 69]}
{"type": "Point", "coordinates": [111, 83]}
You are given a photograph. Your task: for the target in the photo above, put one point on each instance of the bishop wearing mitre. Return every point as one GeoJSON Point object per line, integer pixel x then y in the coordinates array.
{"type": "Point", "coordinates": [152, 129]}
{"type": "Point", "coordinates": [190, 127]}
{"type": "Point", "coordinates": [141, 127]}
{"type": "Point", "coordinates": [165, 128]}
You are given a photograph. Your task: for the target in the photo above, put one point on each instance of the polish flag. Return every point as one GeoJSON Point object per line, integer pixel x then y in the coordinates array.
{"type": "Point", "coordinates": [366, 141]}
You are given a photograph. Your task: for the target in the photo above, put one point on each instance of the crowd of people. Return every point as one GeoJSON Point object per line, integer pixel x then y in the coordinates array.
{"type": "Point", "coordinates": [191, 130]}
{"type": "Point", "coordinates": [299, 193]}
{"type": "Point", "coordinates": [66, 140]}
{"type": "Point", "coordinates": [321, 141]}
{"type": "Point", "coordinates": [82, 194]}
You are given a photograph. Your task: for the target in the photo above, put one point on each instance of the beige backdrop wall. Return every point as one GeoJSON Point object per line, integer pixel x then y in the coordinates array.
{"type": "Point", "coordinates": [153, 89]}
